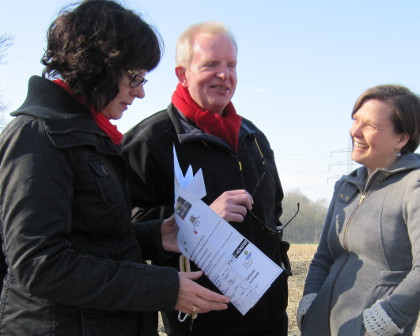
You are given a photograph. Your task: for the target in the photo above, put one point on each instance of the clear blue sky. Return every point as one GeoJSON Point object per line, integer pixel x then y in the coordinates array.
{"type": "Point", "coordinates": [302, 64]}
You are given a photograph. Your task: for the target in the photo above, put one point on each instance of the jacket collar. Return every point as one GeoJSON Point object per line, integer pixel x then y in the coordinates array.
{"type": "Point", "coordinates": [405, 162]}
{"type": "Point", "coordinates": [188, 131]}
{"type": "Point", "coordinates": [67, 122]}
{"type": "Point", "coordinates": [46, 100]}
{"type": "Point", "coordinates": [357, 182]}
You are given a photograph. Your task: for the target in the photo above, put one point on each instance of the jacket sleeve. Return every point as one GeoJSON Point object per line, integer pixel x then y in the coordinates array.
{"type": "Point", "coordinates": [322, 261]}
{"type": "Point", "coordinates": [36, 214]}
{"type": "Point", "coordinates": [403, 304]}
{"type": "Point", "coordinates": [150, 176]}
{"type": "Point", "coordinates": [149, 235]}
{"type": "Point", "coordinates": [146, 178]}
{"type": "Point", "coordinates": [261, 140]}
{"type": "Point", "coordinates": [284, 245]}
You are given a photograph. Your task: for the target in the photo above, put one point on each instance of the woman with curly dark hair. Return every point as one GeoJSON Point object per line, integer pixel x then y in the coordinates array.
{"type": "Point", "coordinates": [75, 262]}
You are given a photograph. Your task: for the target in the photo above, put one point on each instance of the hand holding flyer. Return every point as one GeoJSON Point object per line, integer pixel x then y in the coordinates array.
{"type": "Point", "coordinates": [235, 265]}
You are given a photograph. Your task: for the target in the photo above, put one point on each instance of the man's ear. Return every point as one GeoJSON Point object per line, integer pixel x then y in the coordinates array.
{"type": "Point", "coordinates": [180, 72]}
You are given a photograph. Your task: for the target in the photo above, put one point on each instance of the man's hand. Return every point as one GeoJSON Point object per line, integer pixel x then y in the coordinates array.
{"type": "Point", "coordinates": [168, 232]}
{"type": "Point", "coordinates": [233, 205]}
{"type": "Point", "coordinates": [195, 298]}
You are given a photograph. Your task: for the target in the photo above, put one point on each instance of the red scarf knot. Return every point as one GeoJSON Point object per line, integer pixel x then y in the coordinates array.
{"type": "Point", "coordinates": [225, 127]}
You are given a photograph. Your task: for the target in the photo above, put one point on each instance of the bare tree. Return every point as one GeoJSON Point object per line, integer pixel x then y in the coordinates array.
{"type": "Point", "coordinates": [6, 42]}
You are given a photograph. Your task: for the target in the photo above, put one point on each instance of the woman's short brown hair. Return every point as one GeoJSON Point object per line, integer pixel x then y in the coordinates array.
{"type": "Point", "coordinates": [89, 47]}
{"type": "Point", "coordinates": [405, 107]}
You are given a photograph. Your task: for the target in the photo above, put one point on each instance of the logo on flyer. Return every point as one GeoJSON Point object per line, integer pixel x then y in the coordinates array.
{"type": "Point", "coordinates": [240, 248]}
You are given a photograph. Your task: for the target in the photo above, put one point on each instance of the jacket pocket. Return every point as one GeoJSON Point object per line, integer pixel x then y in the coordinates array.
{"type": "Point", "coordinates": [110, 188]}
{"type": "Point", "coordinates": [391, 277]}
{"type": "Point", "coordinates": [387, 282]}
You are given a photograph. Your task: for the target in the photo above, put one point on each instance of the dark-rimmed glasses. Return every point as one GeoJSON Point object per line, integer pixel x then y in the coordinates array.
{"type": "Point", "coordinates": [135, 79]}
{"type": "Point", "coordinates": [279, 229]}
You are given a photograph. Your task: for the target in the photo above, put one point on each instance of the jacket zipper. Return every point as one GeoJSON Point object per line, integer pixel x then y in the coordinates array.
{"type": "Point", "coordinates": [240, 168]}
{"type": "Point", "coordinates": [362, 198]}
{"type": "Point", "coordinates": [235, 156]}
{"type": "Point", "coordinates": [345, 244]}
{"type": "Point", "coordinates": [263, 161]}
{"type": "Point", "coordinates": [365, 192]}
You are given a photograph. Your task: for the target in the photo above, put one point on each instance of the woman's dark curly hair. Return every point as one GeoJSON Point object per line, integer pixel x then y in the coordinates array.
{"type": "Point", "coordinates": [89, 47]}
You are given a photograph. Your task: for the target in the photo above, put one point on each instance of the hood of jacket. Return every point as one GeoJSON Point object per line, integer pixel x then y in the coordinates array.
{"type": "Point", "coordinates": [67, 122]}
{"type": "Point", "coordinates": [358, 177]}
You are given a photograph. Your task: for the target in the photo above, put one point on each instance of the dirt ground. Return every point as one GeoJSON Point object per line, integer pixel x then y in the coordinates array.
{"type": "Point", "coordinates": [300, 255]}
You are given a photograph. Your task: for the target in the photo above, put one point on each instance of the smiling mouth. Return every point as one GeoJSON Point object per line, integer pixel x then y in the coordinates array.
{"type": "Point", "coordinates": [359, 145]}
{"type": "Point", "coordinates": [221, 88]}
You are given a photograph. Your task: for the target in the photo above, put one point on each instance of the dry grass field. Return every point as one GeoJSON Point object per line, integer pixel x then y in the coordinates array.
{"type": "Point", "coordinates": [300, 256]}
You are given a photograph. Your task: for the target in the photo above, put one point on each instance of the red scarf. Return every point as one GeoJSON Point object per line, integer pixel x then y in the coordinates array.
{"type": "Point", "coordinates": [225, 127]}
{"type": "Point", "coordinates": [102, 121]}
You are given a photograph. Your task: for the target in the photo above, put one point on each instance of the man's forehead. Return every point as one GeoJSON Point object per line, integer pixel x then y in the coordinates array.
{"type": "Point", "coordinates": [205, 39]}
{"type": "Point", "coordinates": [214, 46]}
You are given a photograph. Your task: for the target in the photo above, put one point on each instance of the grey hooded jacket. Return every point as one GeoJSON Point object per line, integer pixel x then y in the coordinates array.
{"type": "Point", "coordinates": [369, 251]}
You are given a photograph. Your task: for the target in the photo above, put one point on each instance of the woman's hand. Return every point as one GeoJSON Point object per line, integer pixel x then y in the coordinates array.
{"type": "Point", "coordinates": [233, 205]}
{"type": "Point", "coordinates": [195, 298]}
{"type": "Point", "coordinates": [168, 232]}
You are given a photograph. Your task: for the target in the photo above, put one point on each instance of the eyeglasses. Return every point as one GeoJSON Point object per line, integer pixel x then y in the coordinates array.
{"type": "Point", "coordinates": [279, 229]}
{"type": "Point", "coordinates": [135, 79]}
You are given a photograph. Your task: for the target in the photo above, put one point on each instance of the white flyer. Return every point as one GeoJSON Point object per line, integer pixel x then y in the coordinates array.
{"type": "Point", "coordinates": [236, 266]}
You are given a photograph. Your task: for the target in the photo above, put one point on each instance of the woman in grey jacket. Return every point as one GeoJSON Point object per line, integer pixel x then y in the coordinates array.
{"type": "Point", "coordinates": [76, 263]}
{"type": "Point", "coordinates": [365, 276]}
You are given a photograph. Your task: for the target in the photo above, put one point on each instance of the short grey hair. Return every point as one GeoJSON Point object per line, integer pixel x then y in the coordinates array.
{"type": "Point", "coordinates": [185, 43]}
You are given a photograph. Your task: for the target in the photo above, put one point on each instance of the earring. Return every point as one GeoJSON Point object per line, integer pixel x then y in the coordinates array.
{"type": "Point", "coordinates": [398, 154]}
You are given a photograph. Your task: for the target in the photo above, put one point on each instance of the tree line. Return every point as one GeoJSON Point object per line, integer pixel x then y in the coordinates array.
{"type": "Point", "coordinates": [306, 227]}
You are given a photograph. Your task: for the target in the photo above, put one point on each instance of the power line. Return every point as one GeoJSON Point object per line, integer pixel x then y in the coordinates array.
{"type": "Point", "coordinates": [348, 162]}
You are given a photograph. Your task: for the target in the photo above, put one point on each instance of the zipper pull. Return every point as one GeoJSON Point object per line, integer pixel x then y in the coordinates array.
{"type": "Point", "coordinates": [193, 317]}
{"type": "Point", "coordinates": [362, 198]}
{"type": "Point", "coordinates": [240, 165]}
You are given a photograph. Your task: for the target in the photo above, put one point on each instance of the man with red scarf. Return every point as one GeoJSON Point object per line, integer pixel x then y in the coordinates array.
{"type": "Point", "coordinates": [242, 182]}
